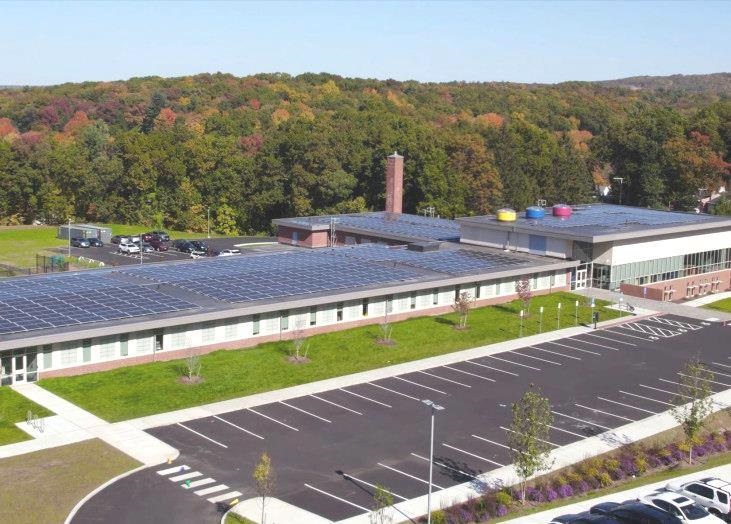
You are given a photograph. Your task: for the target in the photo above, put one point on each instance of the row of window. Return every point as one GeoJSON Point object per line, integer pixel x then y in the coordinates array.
{"type": "Point", "coordinates": [660, 269]}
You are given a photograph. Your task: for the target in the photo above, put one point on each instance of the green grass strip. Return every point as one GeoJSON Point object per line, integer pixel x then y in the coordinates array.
{"type": "Point", "coordinates": [13, 408]}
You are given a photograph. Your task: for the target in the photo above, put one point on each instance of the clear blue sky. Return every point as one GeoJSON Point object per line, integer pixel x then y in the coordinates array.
{"type": "Point", "coordinates": [48, 43]}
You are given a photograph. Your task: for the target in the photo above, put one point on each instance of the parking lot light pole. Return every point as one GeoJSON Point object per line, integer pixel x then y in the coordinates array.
{"type": "Point", "coordinates": [69, 235]}
{"type": "Point", "coordinates": [576, 312]}
{"type": "Point", "coordinates": [209, 221]}
{"type": "Point", "coordinates": [434, 408]}
{"type": "Point", "coordinates": [558, 316]}
{"type": "Point", "coordinates": [540, 320]}
{"type": "Point", "coordinates": [522, 314]}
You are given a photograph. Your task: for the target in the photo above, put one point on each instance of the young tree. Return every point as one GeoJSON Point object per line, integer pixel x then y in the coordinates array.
{"type": "Point", "coordinates": [386, 329]}
{"type": "Point", "coordinates": [192, 366]}
{"type": "Point", "coordinates": [527, 439]}
{"type": "Point", "coordinates": [300, 345]}
{"type": "Point", "coordinates": [693, 402]}
{"type": "Point", "coordinates": [462, 306]}
{"type": "Point", "coordinates": [522, 288]}
{"type": "Point", "coordinates": [382, 500]}
{"type": "Point", "coordinates": [265, 481]}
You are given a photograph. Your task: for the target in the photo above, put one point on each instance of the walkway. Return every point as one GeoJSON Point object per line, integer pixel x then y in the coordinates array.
{"type": "Point", "coordinates": [702, 301]}
{"type": "Point", "coordinates": [664, 307]}
{"type": "Point", "coordinates": [82, 425]}
{"type": "Point", "coordinates": [545, 517]}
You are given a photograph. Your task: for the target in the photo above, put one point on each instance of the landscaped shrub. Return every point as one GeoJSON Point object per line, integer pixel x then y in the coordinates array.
{"type": "Point", "coordinates": [437, 517]}
{"type": "Point", "coordinates": [550, 494]}
{"type": "Point", "coordinates": [503, 498]}
{"type": "Point", "coordinates": [604, 479]}
{"type": "Point", "coordinates": [565, 490]}
{"type": "Point", "coordinates": [502, 510]}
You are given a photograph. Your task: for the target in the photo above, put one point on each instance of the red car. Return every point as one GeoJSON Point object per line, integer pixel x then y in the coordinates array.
{"type": "Point", "coordinates": [157, 244]}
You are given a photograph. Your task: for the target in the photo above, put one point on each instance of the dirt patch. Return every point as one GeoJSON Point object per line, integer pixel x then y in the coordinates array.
{"type": "Point", "coordinates": [191, 381]}
{"type": "Point", "coordinates": [292, 359]}
{"type": "Point", "coordinates": [382, 342]}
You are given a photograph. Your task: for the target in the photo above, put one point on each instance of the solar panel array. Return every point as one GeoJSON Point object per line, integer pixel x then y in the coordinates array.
{"type": "Point", "coordinates": [617, 217]}
{"type": "Point", "coordinates": [261, 277]}
{"type": "Point", "coordinates": [453, 261]}
{"type": "Point", "coordinates": [28, 304]}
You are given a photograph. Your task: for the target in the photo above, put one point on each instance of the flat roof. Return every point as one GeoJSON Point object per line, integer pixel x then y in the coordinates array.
{"type": "Point", "coordinates": [397, 226]}
{"type": "Point", "coordinates": [42, 309]}
{"type": "Point", "coordinates": [605, 222]}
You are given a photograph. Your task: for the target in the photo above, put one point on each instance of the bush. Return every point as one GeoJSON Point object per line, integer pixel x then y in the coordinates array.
{"type": "Point", "coordinates": [502, 510]}
{"type": "Point", "coordinates": [437, 517]}
{"type": "Point", "coordinates": [604, 479]}
{"type": "Point", "coordinates": [502, 498]}
{"type": "Point", "coordinates": [565, 490]}
{"type": "Point", "coordinates": [551, 494]}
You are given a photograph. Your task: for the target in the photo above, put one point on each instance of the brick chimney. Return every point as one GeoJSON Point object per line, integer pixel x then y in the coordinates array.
{"type": "Point", "coordinates": [394, 183]}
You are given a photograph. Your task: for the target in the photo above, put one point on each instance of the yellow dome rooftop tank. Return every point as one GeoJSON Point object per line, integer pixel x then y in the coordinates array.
{"type": "Point", "coordinates": [506, 215]}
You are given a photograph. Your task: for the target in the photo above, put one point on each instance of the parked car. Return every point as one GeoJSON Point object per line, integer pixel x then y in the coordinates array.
{"type": "Point", "coordinates": [128, 248]}
{"type": "Point", "coordinates": [162, 234]}
{"type": "Point", "coordinates": [229, 252]}
{"type": "Point", "coordinates": [200, 245]}
{"type": "Point", "coordinates": [146, 248]}
{"type": "Point", "coordinates": [680, 506]}
{"type": "Point", "coordinates": [135, 238]}
{"type": "Point", "coordinates": [80, 242]}
{"type": "Point", "coordinates": [146, 237]}
{"type": "Point", "coordinates": [634, 513]}
{"type": "Point", "coordinates": [118, 239]}
{"type": "Point", "coordinates": [712, 493]}
{"type": "Point", "coordinates": [158, 244]}
{"type": "Point", "coordinates": [186, 247]}
{"type": "Point", "coordinates": [198, 254]}
{"type": "Point", "coordinates": [95, 242]}
{"type": "Point", "coordinates": [584, 518]}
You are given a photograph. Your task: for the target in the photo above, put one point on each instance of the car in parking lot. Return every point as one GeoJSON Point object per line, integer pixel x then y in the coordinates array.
{"type": "Point", "coordinates": [680, 506]}
{"type": "Point", "coordinates": [712, 493]}
{"type": "Point", "coordinates": [146, 237]}
{"type": "Point", "coordinates": [145, 247]}
{"type": "Point", "coordinates": [229, 252]}
{"type": "Point", "coordinates": [584, 518]}
{"type": "Point", "coordinates": [158, 244]}
{"type": "Point", "coordinates": [95, 242]}
{"type": "Point", "coordinates": [80, 242]}
{"type": "Point", "coordinates": [118, 239]}
{"type": "Point", "coordinates": [128, 248]}
{"type": "Point", "coordinates": [634, 513]}
{"type": "Point", "coordinates": [184, 246]}
{"type": "Point", "coordinates": [161, 234]}
{"type": "Point", "coordinates": [200, 245]}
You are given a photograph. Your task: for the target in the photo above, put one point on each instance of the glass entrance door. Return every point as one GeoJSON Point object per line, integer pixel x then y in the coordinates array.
{"type": "Point", "coordinates": [18, 367]}
{"type": "Point", "coordinates": [580, 282]}
{"type": "Point", "coordinates": [6, 370]}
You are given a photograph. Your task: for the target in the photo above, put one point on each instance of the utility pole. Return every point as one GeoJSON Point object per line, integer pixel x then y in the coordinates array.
{"type": "Point", "coordinates": [209, 221]}
{"type": "Point", "coordinates": [558, 316]}
{"type": "Point", "coordinates": [540, 320]}
{"type": "Point", "coordinates": [621, 183]}
{"type": "Point", "coordinates": [69, 234]}
{"type": "Point", "coordinates": [434, 408]}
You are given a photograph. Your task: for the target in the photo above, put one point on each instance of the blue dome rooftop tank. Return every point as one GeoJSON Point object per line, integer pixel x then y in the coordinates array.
{"type": "Point", "coordinates": [535, 212]}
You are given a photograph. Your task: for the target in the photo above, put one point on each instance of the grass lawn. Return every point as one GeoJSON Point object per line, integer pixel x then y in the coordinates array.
{"type": "Point", "coordinates": [18, 247]}
{"type": "Point", "coordinates": [44, 486]}
{"type": "Point", "coordinates": [147, 389]}
{"type": "Point", "coordinates": [233, 518]}
{"type": "Point", "coordinates": [13, 408]}
{"type": "Point", "coordinates": [720, 305]}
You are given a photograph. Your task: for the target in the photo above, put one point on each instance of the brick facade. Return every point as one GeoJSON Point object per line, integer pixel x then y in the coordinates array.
{"type": "Point", "coordinates": [394, 183]}
{"type": "Point", "coordinates": [304, 237]}
{"type": "Point", "coordinates": [678, 289]}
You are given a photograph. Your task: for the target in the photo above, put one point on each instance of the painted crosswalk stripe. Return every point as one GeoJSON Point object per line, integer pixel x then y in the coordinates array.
{"type": "Point", "coordinates": [208, 491]}
{"type": "Point", "coordinates": [337, 498]}
{"type": "Point", "coordinates": [226, 496]}
{"type": "Point", "coordinates": [626, 334]}
{"type": "Point", "coordinates": [441, 465]}
{"type": "Point", "coordinates": [305, 412]}
{"type": "Point", "coordinates": [473, 455]}
{"type": "Point", "coordinates": [202, 435]}
{"type": "Point", "coordinates": [408, 475]}
{"type": "Point", "coordinates": [595, 410]}
{"type": "Point", "coordinates": [185, 476]}
{"type": "Point", "coordinates": [196, 483]}
{"type": "Point", "coordinates": [176, 469]}
{"type": "Point", "coordinates": [336, 404]}
{"type": "Point", "coordinates": [238, 427]}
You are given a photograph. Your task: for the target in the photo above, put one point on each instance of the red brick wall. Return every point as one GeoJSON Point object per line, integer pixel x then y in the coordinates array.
{"type": "Point", "coordinates": [394, 183]}
{"type": "Point", "coordinates": [662, 290]}
{"type": "Point", "coordinates": [170, 354]}
{"type": "Point", "coordinates": [306, 238]}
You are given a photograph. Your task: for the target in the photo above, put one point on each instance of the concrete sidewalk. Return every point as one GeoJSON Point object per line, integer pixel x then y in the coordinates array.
{"type": "Point", "coordinates": [702, 301]}
{"type": "Point", "coordinates": [544, 517]}
{"type": "Point", "coordinates": [657, 305]}
{"type": "Point", "coordinates": [83, 425]}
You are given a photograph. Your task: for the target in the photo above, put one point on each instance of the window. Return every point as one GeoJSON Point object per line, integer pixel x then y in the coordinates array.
{"type": "Point", "coordinates": [722, 497]}
{"type": "Point", "coordinates": [477, 290]}
{"type": "Point", "coordinates": [47, 356]}
{"type": "Point", "coordinates": [69, 355]}
{"type": "Point", "coordinates": [208, 333]}
{"type": "Point", "coordinates": [123, 343]}
{"type": "Point", "coordinates": [412, 303]}
{"type": "Point", "coordinates": [339, 314]}
{"type": "Point", "coordinates": [143, 344]}
{"type": "Point", "coordinates": [86, 347]}
{"type": "Point", "coordinates": [255, 320]}
{"type": "Point", "coordinates": [178, 339]}
{"type": "Point", "coordinates": [703, 491]}
{"type": "Point", "coordinates": [435, 297]}
{"type": "Point", "coordinates": [106, 348]}
{"type": "Point", "coordinates": [284, 320]}
{"type": "Point", "coordinates": [295, 237]}
{"type": "Point", "coordinates": [313, 316]}
{"type": "Point", "coordinates": [232, 329]}
{"type": "Point", "coordinates": [457, 291]}
{"type": "Point", "coordinates": [537, 244]}
{"type": "Point", "coordinates": [364, 307]}
{"type": "Point", "coordinates": [389, 304]}
{"type": "Point", "coordinates": [158, 341]}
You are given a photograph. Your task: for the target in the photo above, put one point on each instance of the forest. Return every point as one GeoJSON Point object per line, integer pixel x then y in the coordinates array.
{"type": "Point", "coordinates": [165, 151]}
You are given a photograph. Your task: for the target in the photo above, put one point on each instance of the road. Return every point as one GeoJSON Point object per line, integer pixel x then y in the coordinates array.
{"type": "Point", "coordinates": [330, 450]}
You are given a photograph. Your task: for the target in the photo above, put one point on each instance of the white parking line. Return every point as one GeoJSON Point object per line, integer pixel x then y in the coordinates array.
{"type": "Point", "coordinates": [442, 465]}
{"type": "Point", "coordinates": [494, 369]}
{"type": "Point", "coordinates": [609, 330]}
{"type": "Point", "coordinates": [514, 363]}
{"type": "Point", "coordinates": [594, 344]}
{"type": "Point", "coordinates": [445, 379]}
{"type": "Point", "coordinates": [365, 398]}
{"type": "Point", "coordinates": [627, 405]}
{"type": "Point", "coordinates": [227, 496]}
{"type": "Point", "coordinates": [676, 323]}
{"type": "Point", "coordinates": [664, 390]}
{"type": "Point", "coordinates": [547, 442]}
{"type": "Point", "coordinates": [361, 481]}
{"type": "Point", "coordinates": [646, 398]}
{"type": "Point", "coordinates": [711, 381]}
{"type": "Point", "coordinates": [473, 455]}
{"type": "Point", "coordinates": [196, 483]}
{"type": "Point", "coordinates": [722, 365]}
{"type": "Point", "coordinates": [492, 442]}
{"type": "Point", "coordinates": [581, 420]}
{"type": "Point", "coordinates": [536, 358]}
{"type": "Point", "coordinates": [337, 498]}
{"type": "Point", "coordinates": [604, 412]}
{"type": "Point", "coordinates": [421, 385]}
{"type": "Point", "coordinates": [393, 391]}
{"type": "Point", "coordinates": [610, 338]}
{"type": "Point", "coordinates": [273, 419]}
{"type": "Point", "coordinates": [336, 404]}
{"type": "Point", "coordinates": [176, 469]}
{"type": "Point", "coordinates": [408, 475]}
{"type": "Point", "coordinates": [468, 373]}
{"type": "Point", "coordinates": [575, 349]}
{"type": "Point", "coordinates": [184, 476]}
{"type": "Point", "coordinates": [720, 373]}
{"type": "Point", "coordinates": [566, 431]}
{"type": "Point", "coordinates": [202, 435]}
{"type": "Point", "coordinates": [214, 489]}
{"type": "Point", "coordinates": [555, 353]}
{"type": "Point", "coordinates": [238, 427]}
{"type": "Point", "coordinates": [305, 412]}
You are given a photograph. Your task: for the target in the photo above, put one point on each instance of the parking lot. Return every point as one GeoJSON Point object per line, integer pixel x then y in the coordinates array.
{"type": "Point", "coordinates": [331, 450]}
{"type": "Point", "coordinates": [109, 253]}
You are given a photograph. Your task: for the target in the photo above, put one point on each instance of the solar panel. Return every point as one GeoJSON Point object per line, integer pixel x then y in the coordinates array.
{"type": "Point", "coordinates": [28, 304]}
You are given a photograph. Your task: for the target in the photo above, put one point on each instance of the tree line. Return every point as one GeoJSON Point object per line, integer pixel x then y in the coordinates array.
{"type": "Point", "coordinates": [164, 151]}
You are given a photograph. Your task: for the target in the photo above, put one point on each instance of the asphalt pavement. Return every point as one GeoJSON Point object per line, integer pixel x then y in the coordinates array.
{"type": "Point", "coordinates": [332, 449]}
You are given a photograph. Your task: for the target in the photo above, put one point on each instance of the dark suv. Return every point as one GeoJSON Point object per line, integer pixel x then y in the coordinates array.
{"type": "Point", "coordinates": [95, 242]}
{"type": "Point", "coordinates": [157, 244]}
{"type": "Point", "coordinates": [634, 513]}
{"type": "Point", "coordinates": [185, 246]}
{"type": "Point", "coordinates": [162, 234]}
{"type": "Point", "coordinates": [80, 242]}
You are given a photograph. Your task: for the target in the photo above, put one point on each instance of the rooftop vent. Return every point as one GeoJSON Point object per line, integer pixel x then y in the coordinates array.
{"type": "Point", "coordinates": [423, 247]}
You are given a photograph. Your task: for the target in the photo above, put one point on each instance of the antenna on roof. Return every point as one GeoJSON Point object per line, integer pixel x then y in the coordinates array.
{"type": "Point", "coordinates": [541, 202]}
{"type": "Point", "coordinates": [333, 237]}
{"type": "Point", "coordinates": [429, 211]}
